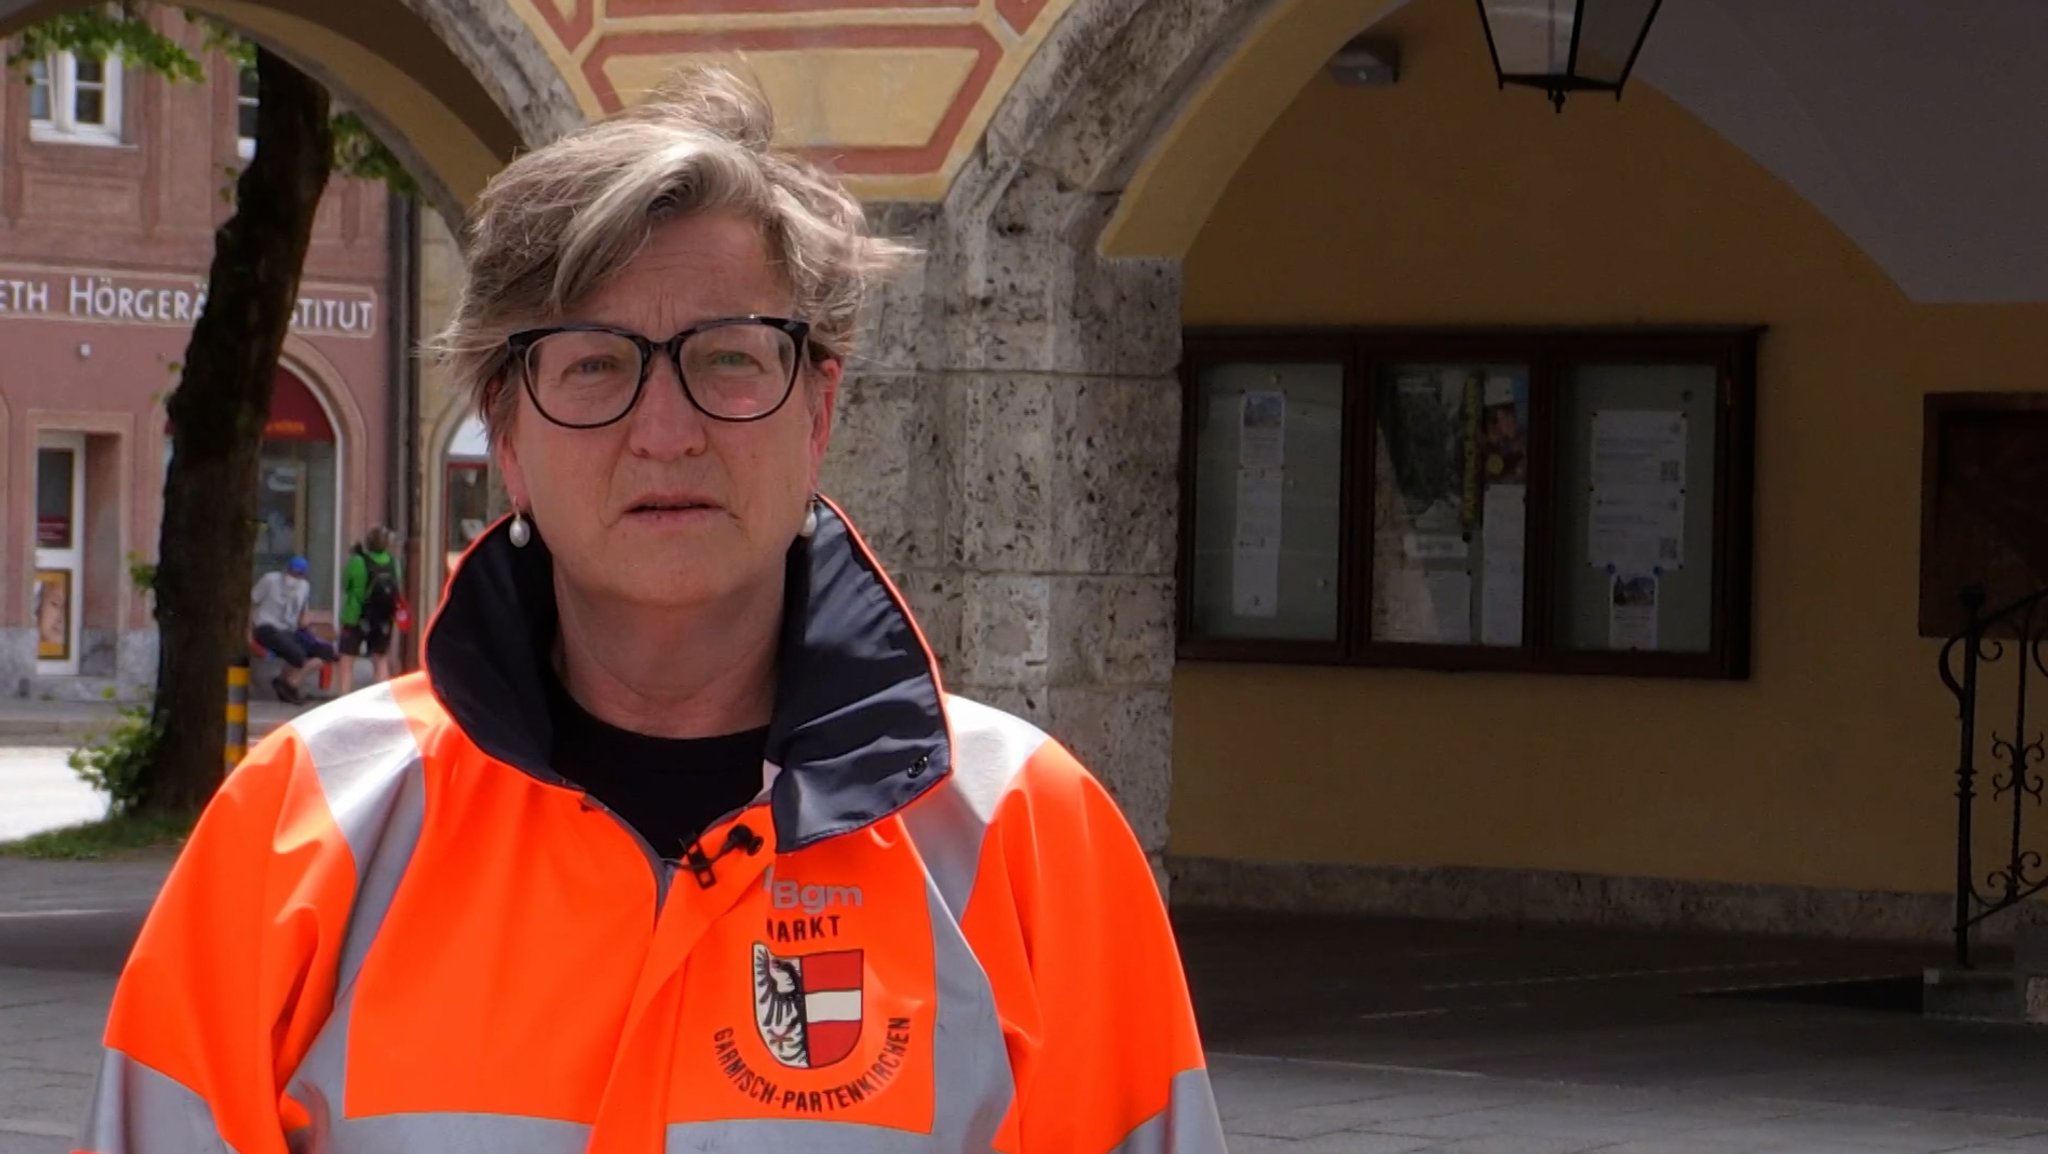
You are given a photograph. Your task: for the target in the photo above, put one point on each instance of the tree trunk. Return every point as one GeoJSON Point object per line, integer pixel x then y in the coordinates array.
{"type": "Point", "coordinates": [217, 416]}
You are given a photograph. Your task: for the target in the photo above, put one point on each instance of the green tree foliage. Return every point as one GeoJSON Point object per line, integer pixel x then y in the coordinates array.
{"type": "Point", "coordinates": [103, 31]}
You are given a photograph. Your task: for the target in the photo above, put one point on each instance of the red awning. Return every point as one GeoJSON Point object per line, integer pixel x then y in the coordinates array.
{"type": "Point", "coordinates": [295, 413]}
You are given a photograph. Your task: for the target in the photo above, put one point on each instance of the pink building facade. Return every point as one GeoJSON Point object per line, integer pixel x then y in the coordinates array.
{"type": "Point", "coordinates": [111, 186]}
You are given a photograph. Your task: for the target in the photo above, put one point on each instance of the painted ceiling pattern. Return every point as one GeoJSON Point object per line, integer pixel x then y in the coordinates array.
{"type": "Point", "coordinates": [893, 94]}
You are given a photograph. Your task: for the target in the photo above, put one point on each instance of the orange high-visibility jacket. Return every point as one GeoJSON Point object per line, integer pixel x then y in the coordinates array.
{"type": "Point", "coordinates": [396, 930]}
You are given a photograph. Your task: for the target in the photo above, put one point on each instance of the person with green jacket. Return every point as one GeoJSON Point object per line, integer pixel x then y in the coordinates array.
{"type": "Point", "coordinates": [370, 585]}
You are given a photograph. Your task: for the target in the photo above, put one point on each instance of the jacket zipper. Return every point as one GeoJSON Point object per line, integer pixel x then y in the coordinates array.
{"type": "Point", "coordinates": [664, 868]}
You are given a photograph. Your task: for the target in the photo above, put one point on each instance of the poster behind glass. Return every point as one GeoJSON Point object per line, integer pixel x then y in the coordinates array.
{"type": "Point", "coordinates": [1635, 487]}
{"type": "Point", "coordinates": [1450, 516]}
{"type": "Point", "coordinates": [1268, 500]}
{"type": "Point", "coordinates": [297, 502]}
{"type": "Point", "coordinates": [51, 612]}
{"type": "Point", "coordinates": [280, 512]}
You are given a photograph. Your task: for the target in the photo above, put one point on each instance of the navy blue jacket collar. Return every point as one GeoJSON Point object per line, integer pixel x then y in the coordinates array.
{"type": "Point", "coordinates": [859, 728]}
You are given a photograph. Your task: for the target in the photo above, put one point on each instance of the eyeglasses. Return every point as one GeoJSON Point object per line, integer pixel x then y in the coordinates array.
{"type": "Point", "coordinates": [589, 376]}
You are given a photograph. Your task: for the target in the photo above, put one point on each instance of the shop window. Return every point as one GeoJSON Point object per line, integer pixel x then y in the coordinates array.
{"type": "Point", "coordinates": [298, 490]}
{"type": "Point", "coordinates": [466, 490]}
{"type": "Point", "coordinates": [246, 100]}
{"type": "Point", "coordinates": [1553, 501]}
{"type": "Point", "coordinates": [295, 512]}
{"type": "Point", "coordinates": [75, 99]}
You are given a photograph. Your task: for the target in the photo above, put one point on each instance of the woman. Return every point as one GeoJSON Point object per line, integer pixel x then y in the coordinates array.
{"type": "Point", "coordinates": [676, 844]}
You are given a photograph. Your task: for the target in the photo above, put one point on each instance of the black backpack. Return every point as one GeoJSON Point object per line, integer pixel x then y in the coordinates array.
{"type": "Point", "coordinates": [380, 599]}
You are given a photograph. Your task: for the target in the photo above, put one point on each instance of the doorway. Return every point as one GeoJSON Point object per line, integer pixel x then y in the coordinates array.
{"type": "Point", "coordinates": [60, 551]}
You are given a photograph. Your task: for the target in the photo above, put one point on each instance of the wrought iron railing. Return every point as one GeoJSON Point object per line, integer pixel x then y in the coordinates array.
{"type": "Point", "coordinates": [2020, 629]}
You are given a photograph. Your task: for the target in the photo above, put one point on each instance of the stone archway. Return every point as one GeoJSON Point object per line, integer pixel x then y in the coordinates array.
{"type": "Point", "coordinates": [1015, 426]}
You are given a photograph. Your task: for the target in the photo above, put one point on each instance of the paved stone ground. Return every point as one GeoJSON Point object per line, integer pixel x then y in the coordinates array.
{"type": "Point", "coordinates": [1335, 1037]}
{"type": "Point", "coordinates": [1277, 1106]}
{"type": "Point", "coordinates": [44, 723]}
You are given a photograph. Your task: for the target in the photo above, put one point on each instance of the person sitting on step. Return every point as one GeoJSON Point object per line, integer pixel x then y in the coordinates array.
{"type": "Point", "coordinates": [278, 613]}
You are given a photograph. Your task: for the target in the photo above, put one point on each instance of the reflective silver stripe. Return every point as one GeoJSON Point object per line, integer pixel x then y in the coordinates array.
{"type": "Point", "coordinates": [451, 1134]}
{"type": "Point", "coordinates": [370, 771]}
{"type": "Point", "coordinates": [972, 1083]}
{"type": "Point", "coordinates": [947, 826]}
{"type": "Point", "coordinates": [1188, 1125]}
{"type": "Point", "coordinates": [369, 768]}
{"type": "Point", "coordinates": [971, 1079]}
{"type": "Point", "coordinates": [136, 1110]}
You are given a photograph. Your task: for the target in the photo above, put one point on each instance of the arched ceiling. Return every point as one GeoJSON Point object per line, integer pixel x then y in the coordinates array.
{"type": "Point", "coordinates": [1919, 128]}
{"type": "Point", "coordinates": [1915, 126]}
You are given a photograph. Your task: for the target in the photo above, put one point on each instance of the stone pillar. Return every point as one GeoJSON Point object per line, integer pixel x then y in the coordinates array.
{"type": "Point", "coordinates": [1009, 444]}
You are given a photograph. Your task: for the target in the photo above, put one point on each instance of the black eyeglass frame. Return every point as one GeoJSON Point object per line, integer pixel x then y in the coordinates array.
{"type": "Point", "coordinates": [520, 344]}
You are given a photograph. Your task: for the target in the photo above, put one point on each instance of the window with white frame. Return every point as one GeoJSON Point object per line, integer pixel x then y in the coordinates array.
{"type": "Point", "coordinates": [40, 100]}
{"type": "Point", "coordinates": [245, 114]}
{"type": "Point", "coordinates": [75, 98]}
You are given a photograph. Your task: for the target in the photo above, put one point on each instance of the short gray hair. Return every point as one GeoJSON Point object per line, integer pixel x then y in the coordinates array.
{"type": "Point", "coordinates": [560, 221]}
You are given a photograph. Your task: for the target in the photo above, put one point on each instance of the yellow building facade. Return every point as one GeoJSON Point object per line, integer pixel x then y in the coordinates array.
{"type": "Point", "coordinates": [1439, 201]}
{"type": "Point", "coordinates": [1814, 794]}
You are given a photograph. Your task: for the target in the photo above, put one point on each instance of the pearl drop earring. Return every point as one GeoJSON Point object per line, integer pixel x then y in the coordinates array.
{"type": "Point", "coordinates": [521, 533]}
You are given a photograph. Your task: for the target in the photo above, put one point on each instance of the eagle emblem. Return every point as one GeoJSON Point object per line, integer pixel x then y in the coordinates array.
{"type": "Point", "coordinates": [808, 1007]}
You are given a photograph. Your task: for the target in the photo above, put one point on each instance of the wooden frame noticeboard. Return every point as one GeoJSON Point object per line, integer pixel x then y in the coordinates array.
{"type": "Point", "coordinates": [1560, 501]}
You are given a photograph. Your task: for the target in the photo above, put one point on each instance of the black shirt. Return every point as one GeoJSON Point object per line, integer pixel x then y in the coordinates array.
{"type": "Point", "coordinates": [667, 788]}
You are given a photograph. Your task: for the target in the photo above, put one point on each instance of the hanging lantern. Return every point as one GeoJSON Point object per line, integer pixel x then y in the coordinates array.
{"type": "Point", "coordinates": [1565, 46]}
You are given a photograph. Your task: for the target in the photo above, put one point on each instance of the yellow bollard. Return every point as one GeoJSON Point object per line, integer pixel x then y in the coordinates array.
{"type": "Point", "coordinates": [238, 711]}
